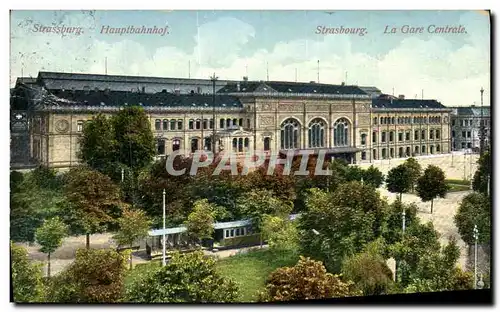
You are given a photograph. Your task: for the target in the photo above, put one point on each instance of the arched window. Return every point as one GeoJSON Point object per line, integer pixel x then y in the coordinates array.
{"type": "Point", "coordinates": [165, 124]}
{"type": "Point", "coordinates": [341, 132]}
{"type": "Point", "coordinates": [235, 122]}
{"type": "Point", "coordinates": [179, 124]}
{"type": "Point", "coordinates": [290, 134]}
{"type": "Point", "coordinates": [160, 147]}
{"type": "Point", "coordinates": [157, 124]}
{"type": "Point", "coordinates": [247, 143]}
{"type": "Point", "coordinates": [317, 133]}
{"type": "Point", "coordinates": [221, 125]}
{"type": "Point", "coordinates": [267, 144]}
{"type": "Point", "coordinates": [176, 145]}
{"type": "Point", "coordinates": [172, 124]}
{"type": "Point", "coordinates": [228, 123]}
{"type": "Point", "coordinates": [191, 124]}
{"type": "Point", "coordinates": [363, 139]}
{"type": "Point", "coordinates": [198, 124]}
{"type": "Point", "coordinates": [240, 145]}
{"type": "Point", "coordinates": [374, 120]}
{"type": "Point", "coordinates": [240, 122]}
{"type": "Point", "coordinates": [235, 145]}
{"type": "Point", "coordinates": [392, 121]}
{"type": "Point", "coordinates": [374, 154]}
{"type": "Point", "coordinates": [194, 145]}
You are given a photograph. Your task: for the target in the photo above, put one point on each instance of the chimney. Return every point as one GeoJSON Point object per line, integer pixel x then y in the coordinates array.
{"type": "Point", "coordinates": [238, 86]}
{"type": "Point", "coordinates": [401, 96]}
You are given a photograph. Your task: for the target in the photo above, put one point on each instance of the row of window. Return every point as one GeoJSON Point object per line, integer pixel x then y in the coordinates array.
{"type": "Point", "coordinates": [177, 124]}
{"type": "Point", "coordinates": [418, 135]}
{"type": "Point", "coordinates": [229, 233]}
{"type": "Point", "coordinates": [403, 152]}
{"type": "Point", "coordinates": [407, 120]}
{"type": "Point", "coordinates": [290, 133]}
{"type": "Point", "coordinates": [468, 122]}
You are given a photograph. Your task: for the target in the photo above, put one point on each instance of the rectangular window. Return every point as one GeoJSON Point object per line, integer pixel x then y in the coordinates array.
{"type": "Point", "coordinates": [468, 134]}
{"type": "Point", "coordinates": [415, 137]}
{"type": "Point", "coordinates": [240, 122]}
{"type": "Point", "coordinates": [363, 139]}
{"type": "Point", "coordinates": [198, 124]}
{"type": "Point", "coordinates": [79, 125]}
{"type": "Point", "coordinates": [423, 136]}
{"type": "Point", "coordinates": [161, 147]}
{"type": "Point", "coordinates": [232, 232]}
{"type": "Point", "coordinates": [391, 136]}
{"type": "Point", "coordinates": [453, 122]}
{"type": "Point", "coordinates": [248, 123]}
{"type": "Point", "coordinates": [463, 144]}
{"type": "Point", "coordinates": [191, 124]}
{"type": "Point", "coordinates": [437, 134]}
{"type": "Point", "coordinates": [237, 232]}
{"type": "Point", "coordinates": [221, 125]}
{"type": "Point", "coordinates": [400, 136]}
{"type": "Point", "coordinates": [363, 155]}
{"type": "Point", "coordinates": [383, 136]}
{"type": "Point", "coordinates": [211, 123]}
{"type": "Point", "coordinates": [463, 134]}
{"type": "Point", "coordinates": [179, 124]}
{"type": "Point", "coordinates": [205, 124]}
{"type": "Point", "coordinates": [431, 134]}
{"type": "Point", "coordinates": [407, 138]}
{"type": "Point", "coordinates": [374, 137]}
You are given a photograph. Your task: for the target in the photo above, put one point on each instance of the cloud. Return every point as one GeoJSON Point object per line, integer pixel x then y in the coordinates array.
{"type": "Point", "coordinates": [449, 74]}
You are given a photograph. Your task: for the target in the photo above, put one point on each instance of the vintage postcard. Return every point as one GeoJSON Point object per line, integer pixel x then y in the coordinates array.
{"type": "Point", "coordinates": [223, 156]}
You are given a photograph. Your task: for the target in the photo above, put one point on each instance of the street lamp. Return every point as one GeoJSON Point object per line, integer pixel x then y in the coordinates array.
{"type": "Point", "coordinates": [476, 236]}
{"type": "Point", "coordinates": [164, 230]}
{"type": "Point", "coordinates": [404, 220]}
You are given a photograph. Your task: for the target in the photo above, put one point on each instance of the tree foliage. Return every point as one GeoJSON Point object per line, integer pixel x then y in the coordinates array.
{"type": "Point", "coordinates": [340, 223]}
{"type": "Point", "coordinates": [34, 197]}
{"type": "Point", "coordinates": [415, 170]}
{"type": "Point", "coordinates": [255, 205]}
{"type": "Point", "coordinates": [189, 277]}
{"type": "Point", "coordinates": [393, 229]}
{"type": "Point", "coordinates": [483, 174]}
{"type": "Point", "coordinates": [373, 176]}
{"type": "Point", "coordinates": [96, 276]}
{"type": "Point", "coordinates": [94, 199]}
{"type": "Point", "coordinates": [432, 184]}
{"type": "Point", "coordinates": [281, 234]}
{"type": "Point", "coordinates": [134, 137]}
{"type": "Point", "coordinates": [307, 280]}
{"type": "Point", "coordinates": [199, 223]}
{"type": "Point", "coordinates": [369, 271]}
{"type": "Point", "coordinates": [49, 236]}
{"type": "Point", "coordinates": [399, 180]}
{"type": "Point", "coordinates": [98, 144]}
{"type": "Point", "coordinates": [475, 209]}
{"type": "Point", "coordinates": [27, 278]}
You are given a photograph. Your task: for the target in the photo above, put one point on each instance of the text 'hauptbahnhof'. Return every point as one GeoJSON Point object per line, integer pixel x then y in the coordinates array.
{"type": "Point", "coordinates": [358, 124]}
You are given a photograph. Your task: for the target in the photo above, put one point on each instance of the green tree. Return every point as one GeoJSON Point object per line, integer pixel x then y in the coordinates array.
{"type": "Point", "coordinates": [36, 198]}
{"type": "Point", "coordinates": [369, 271]}
{"type": "Point", "coordinates": [134, 137]}
{"type": "Point", "coordinates": [393, 229]}
{"type": "Point", "coordinates": [199, 223]}
{"type": "Point", "coordinates": [27, 278]}
{"type": "Point", "coordinates": [49, 236]}
{"type": "Point", "coordinates": [98, 145]}
{"type": "Point", "coordinates": [341, 223]}
{"type": "Point", "coordinates": [281, 234]}
{"type": "Point", "coordinates": [373, 176]}
{"type": "Point", "coordinates": [94, 201]}
{"type": "Point", "coordinates": [415, 171]}
{"type": "Point", "coordinates": [255, 205]}
{"type": "Point", "coordinates": [133, 225]}
{"type": "Point", "coordinates": [189, 277]}
{"type": "Point", "coordinates": [307, 280]}
{"type": "Point", "coordinates": [431, 185]}
{"type": "Point", "coordinates": [354, 173]}
{"type": "Point", "coordinates": [96, 276]}
{"type": "Point", "coordinates": [399, 180]}
{"type": "Point", "coordinates": [482, 176]}
{"type": "Point", "coordinates": [475, 209]}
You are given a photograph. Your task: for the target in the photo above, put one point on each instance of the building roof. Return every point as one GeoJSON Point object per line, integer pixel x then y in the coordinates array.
{"type": "Point", "coordinates": [217, 226]}
{"type": "Point", "coordinates": [119, 98]}
{"type": "Point", "coordinates": [470, 111]}
{"type": "Point", "coordinates": [290, 87]}
{"type": "Point", "coordinates": [78, 81]}
{"type": "Point", "coordinates": [406, 103]}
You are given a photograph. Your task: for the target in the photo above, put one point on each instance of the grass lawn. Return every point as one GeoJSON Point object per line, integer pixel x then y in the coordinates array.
{"type": "Point", "coordinates": [458, 187]}
{"type": "Point", "coordinates": [250, 270]}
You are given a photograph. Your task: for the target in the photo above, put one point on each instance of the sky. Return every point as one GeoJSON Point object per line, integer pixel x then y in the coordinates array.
{"type": "Point", "coordinates": [284, 45]}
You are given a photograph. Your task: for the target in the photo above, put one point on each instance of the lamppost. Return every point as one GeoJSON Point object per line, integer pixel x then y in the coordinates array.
{"type": "Point", "coordinates": [481, 127]}
{"type": "Point", "coordinates": [476, 236]}
{"type": "Point", "coordinates": [164, 230]}
{"type": "Point", "coordinates": [213, 79]}
{"type": "Point", "coordinates": [480, 283]}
